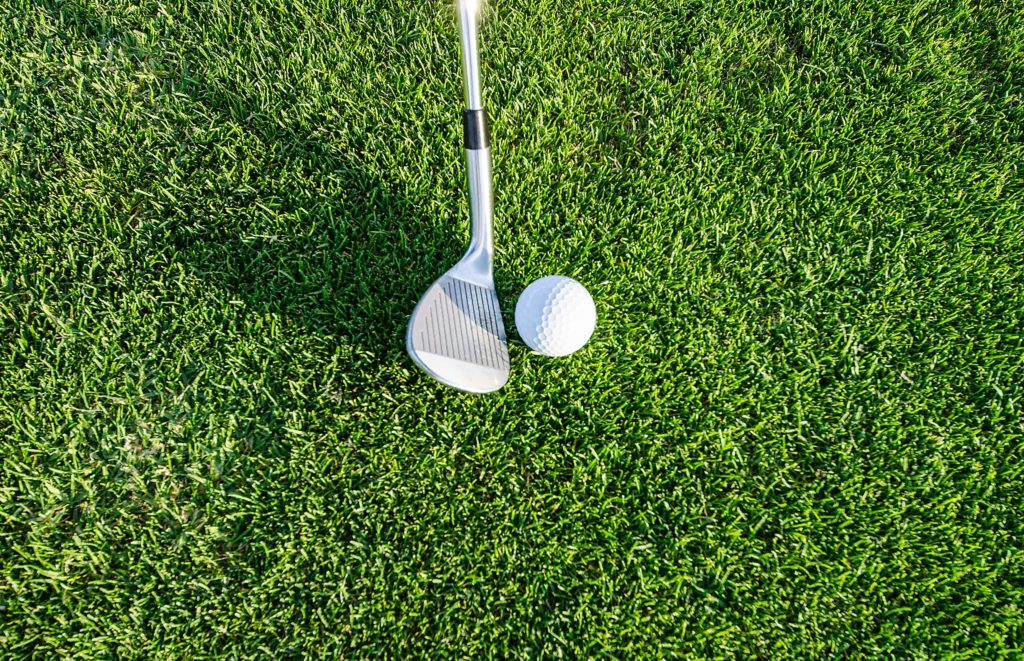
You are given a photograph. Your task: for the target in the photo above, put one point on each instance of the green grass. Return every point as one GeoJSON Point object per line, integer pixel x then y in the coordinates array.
{"type": "Point", "coordinates": [797, 432]}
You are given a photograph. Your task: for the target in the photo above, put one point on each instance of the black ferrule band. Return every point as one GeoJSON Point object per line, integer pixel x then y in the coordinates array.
{"type": "Point", "coordinates": [477, 135]}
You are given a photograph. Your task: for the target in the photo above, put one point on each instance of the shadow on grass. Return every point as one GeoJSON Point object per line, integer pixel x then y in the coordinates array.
{"type": "Point", "coordinates": [317, 236]}
{"type": "Point", "coordinates": [350, 264]}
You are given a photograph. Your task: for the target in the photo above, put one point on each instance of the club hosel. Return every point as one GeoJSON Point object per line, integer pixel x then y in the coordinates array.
{"type": "Point", "coordinates": [478, 164]}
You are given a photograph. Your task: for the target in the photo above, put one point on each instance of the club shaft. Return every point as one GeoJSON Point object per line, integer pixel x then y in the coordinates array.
{"type": "Point", "coordinates": [469, 17]}
{"type": "Point", "coordinates": [478, 154]}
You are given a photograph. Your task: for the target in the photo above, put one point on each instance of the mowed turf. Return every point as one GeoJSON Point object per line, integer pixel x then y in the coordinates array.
{"type": "Point", "coordinates": [796, 433]}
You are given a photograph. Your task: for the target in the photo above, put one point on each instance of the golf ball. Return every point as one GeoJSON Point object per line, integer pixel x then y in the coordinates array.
{"type": "Point", "coordinates": [556, 316]}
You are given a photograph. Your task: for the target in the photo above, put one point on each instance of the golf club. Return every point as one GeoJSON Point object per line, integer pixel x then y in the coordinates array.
{"type": "Point", "coordinates": [456, 333]}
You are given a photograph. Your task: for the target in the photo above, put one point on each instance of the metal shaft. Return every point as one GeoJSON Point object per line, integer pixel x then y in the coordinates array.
{"type": "Point", "coordinates": [478, 154]}
{"type": "Point", "coordinates": [469, 16]}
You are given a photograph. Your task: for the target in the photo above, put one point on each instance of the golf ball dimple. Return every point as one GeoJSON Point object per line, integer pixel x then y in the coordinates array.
{"type": "Point", "coordinates": [556, 316]}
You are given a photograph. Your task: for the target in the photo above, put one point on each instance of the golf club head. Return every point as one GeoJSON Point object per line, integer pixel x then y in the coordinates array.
{"type": "Point", "coordinates": [456, 333]}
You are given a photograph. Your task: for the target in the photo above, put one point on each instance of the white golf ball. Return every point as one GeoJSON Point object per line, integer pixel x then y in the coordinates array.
{"type": "Point", "coordinates": [556, 316]}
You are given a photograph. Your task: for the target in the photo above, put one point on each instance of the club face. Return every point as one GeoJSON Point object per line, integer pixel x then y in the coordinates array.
{"type": "Point", "coordinates": [457, 335]}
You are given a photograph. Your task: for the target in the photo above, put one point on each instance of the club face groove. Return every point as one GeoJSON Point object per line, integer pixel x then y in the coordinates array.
{"type": "Point", "coordinates": [456, 335]}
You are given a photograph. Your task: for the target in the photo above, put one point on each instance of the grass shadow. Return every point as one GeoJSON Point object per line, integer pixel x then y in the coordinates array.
{"type": "Point", "coordinates": [312, 233]}
{"type": "Point", "coordinates": [349, 264]}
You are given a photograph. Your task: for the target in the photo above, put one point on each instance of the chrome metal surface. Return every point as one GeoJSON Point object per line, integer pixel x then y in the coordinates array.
{"type": "Point", "coordinates": [469, 17]}
{"type": "Point", "coordinates": [456, 334]}
{"type": "Point", "coordinates": [481, 209]}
